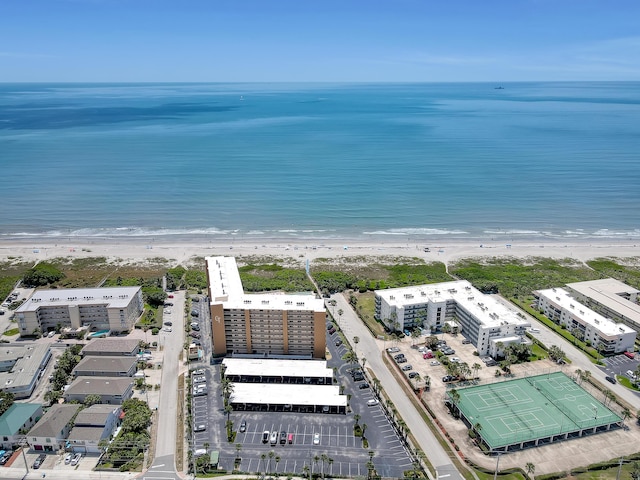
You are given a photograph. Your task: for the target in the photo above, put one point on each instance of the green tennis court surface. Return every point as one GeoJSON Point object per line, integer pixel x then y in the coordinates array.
{"type": "Point", "coordinates": [533, 411]}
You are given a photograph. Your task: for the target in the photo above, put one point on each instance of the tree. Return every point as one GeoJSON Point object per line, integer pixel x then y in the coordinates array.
{"type": "Point", "coordinates": [92, 399]}
{"type": "Point", "coordinates": [340, 312]}
{"type": "Point", "coordinates": [530, 468]}
{"type": "Point", "coordinates": [635, 470]}
{"type": "Point", "coordinates": [364, 429]}
{"type": "Point", "coordinates": [263, 457]}
{"type": "Point", "coordinates": [42, 274]}
{"type": "Point", "coordinates": [454, 395]}
{"type": "Point", "coordinates": [555, 353]}
{"type": "Point", "coordinates": [154, 296]}
{"type": "Point", "coordinates": [356, 417]}
{"type": "Point", "coordinates": [350, 357]}
{"type": "Point", "coordinates": [415, 334]}
{"type": "Point", "coordinates": [626, 414]}
{"type": "Point", "coordinates": [446, 328]}
{"type": "Point", "coordinates": [476, 367]}
{"type": "Point", "coordinates": [6, 400]}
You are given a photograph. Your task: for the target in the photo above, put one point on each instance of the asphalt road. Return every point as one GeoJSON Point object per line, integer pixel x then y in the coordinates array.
{"type": "Point", "coordinates": [164, 464]}
{"type": "Point", "coordinates": [352, 326]}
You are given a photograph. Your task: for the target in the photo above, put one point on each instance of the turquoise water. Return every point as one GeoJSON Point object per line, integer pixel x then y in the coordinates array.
{"type": "Point", "coordinates": [320, 161]}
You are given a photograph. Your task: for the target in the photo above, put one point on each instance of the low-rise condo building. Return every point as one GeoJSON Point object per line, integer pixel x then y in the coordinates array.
{"type": "Point", "coordinates": [114, 309]}
{"type": "Point", "coordinates": [604, 334]}
{"type": "Point", "coordinates": [485, 321]}
{"type": "Point", "coordinates": [266, 323]}
{"type": "Point", "coordinates": [610, 298]}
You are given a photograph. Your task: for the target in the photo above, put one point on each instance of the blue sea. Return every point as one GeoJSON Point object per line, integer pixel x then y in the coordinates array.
{"type": "Point", "coordinates": [321, 161]}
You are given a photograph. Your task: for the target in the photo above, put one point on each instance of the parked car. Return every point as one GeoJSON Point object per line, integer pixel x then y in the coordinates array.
{"type": "Point", "coordinates": [448, 378]}
{"type": "Point", "coordinates": [265, 436]}
{"type": "Point", "coordinates": [243, 426]}
{"type": "Point", "coordinates": [371, 402]}
{"type": "Point", "coordinates": [610, 379]}
{"type": "Point", "coordinates": [168, 324]}
{"type": "Point", "coordinates": [194, 334]}
{"type": "Point", "coordinates": [39, 461]}
{"type": "Point", "coordinates": [68, 458]}
{"type": "Point", "coordinates": [400, 355]}
{"type": "Point", "coordinates": [338, 343]}
{"type": "Point", "coordinates": [466, 341]}
{"type": "Point", "coordinates": [629, 355]}
{"type": "Point", "coordinates": [283, 437]}
{"type": "Point", "coordinates": [200, 379]}
{"type": "Point", "coordinates": [200, 428]}
{"type": "Point", "coordinates": [332, 331]}
{"type": "Point", "coordinates": [273, 439]}
{"type": "Point", "coordinates": [316, 439]}
{"type": "Point", "coordinates": [195, 328]}
{"type": "Point", "coordinates": [195, 313]}
{"type": "Point", "coordinates": [76, 459]}
{"type": "Point", "coordinates": [393, 349]}
{"type": "Point", "coordinates": [413, 374]}
{"type": "Point", "coordinates": [434, 363]}
{"type": "Point", "coordinates": [169, 296]}
{"type": "Point", "coordinates": [199, 371]}
{"type": "Point", "coordinates": [406, 368]}
{"type": "Point", "coordinates": [5, 458]}
{"type": "Point", "coordinates": [168, 304]}
{"type": "Point", "coordinates": [402, 360]}
{"type": "Point", "coordinates": [364, 385]}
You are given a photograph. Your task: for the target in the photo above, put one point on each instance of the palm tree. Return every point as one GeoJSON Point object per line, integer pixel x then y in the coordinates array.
{"type": "Point", "coordinates": [228, 409]}
{"type": "Point", "coordinates": [263, 457]}
{"type": "Point", "coordinates": [476, 367]}
{"type": "Point", "coordinates": [271, 454]}
{"type": "Point", "coordinates": [446, 328]}
{"type": "Point", "coordinates": [277, 462]}
{"type": "Point", "coordinates": [579, 376]}
{"type": "Point", "coordinates": [376, 385]}
{"type": "Point", "coordinates": [454, 395]}
{"type": "Point", "coordinates": [626, 414]}
{"type": "Point", "coordinates": [530, 468]}
{"type": "Point", "coordinates": [238, 449]}
{"type": "Point", "coordinates": [340, 312]}
{"type": "Point", "coordinates": [305, 471]}
{"type": "Point", "coordinates": [324, 457]}
{"type": "Point", "coordinates": [364, 429]}
{"type": "Point", "coordinates": [356, 417]}
{"type": "Point", "coordinates": [350, 357]}
{"type": "Point", "coordinates": [316, 458]}
{"type": "Point", "coordinates": [364, 362]}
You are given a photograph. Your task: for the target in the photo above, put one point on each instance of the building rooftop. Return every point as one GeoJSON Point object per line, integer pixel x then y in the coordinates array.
{"type": "Point", "coordinates": [99, 386]}
{"type": "Point", "coordinates": [489, 311]}
{"type": "Point", "coordinates": [225, 287]}
{"type": "Point", "coordinates": [607, 292]}
{"type": "Point", "coordinates": [606, 326]}
{"type": "Point", "coordinates": [116, 297]}
{"type": "Point", "coordinates": [105, 364]}
{"type": "Point", "coordinates": [54, 421]}
{"type": "Point", "coordinates": [277, 367]}
{"type": "Point", "coordinates": [16, 416]}
{"type": "Point", "coordinates": [26, 360]}
{"type": "Point", "coordinates": [96, 415]}
{"type": "Point", "coordinates": [92, 434]}
{"type": "Point", "coordinates": [116, 345]}
{"type": "Point", "coordinates": [288, 394]}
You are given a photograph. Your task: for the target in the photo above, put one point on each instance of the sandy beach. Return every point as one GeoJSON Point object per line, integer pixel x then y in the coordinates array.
{"type": "Point", "coordinates": [185, 251]}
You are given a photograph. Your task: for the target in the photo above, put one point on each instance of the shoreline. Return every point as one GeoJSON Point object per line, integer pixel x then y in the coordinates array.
{"type": "Point", "coordinates": [185, 250]}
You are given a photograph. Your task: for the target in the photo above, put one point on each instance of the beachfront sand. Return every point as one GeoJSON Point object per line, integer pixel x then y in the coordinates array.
{"type": "Point", "coordinates": [184, 252]}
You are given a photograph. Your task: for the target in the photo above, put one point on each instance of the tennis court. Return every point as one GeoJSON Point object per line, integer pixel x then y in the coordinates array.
{"type": "Point", "coordinates": [533, 411]}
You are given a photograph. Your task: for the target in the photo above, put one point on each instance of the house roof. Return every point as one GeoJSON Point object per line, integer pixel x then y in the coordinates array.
{"type": "Point", "coordinates": [86, 433]}
{"type": "Point", "coordinates": [54, 421]}
{"type": "Point", "coordinates": [96, 415]}
{"type": "Point", "coordinates": [116, 345]}
{"type": "Point", "coordinates": [16, 416]}
{"type": "Point", "coordinates": [105, 364]}
{"type": "Point", "coordinates": [99, 386]}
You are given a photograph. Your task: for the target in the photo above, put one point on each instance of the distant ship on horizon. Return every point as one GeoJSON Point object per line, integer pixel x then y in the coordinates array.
{"type": "Point", "coordinates": [498, 88]}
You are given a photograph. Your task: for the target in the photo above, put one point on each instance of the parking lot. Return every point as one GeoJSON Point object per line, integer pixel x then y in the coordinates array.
{"type": "Point", "coordinates": [620, 364]}
{"type": "Point", "coordinates": [335, 437]}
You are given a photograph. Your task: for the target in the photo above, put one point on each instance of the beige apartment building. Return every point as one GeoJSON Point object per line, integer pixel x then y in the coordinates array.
{"type": "Point", "coordinates": [114, 309]}
{"type": "Point", "coordinates": [267, 323]}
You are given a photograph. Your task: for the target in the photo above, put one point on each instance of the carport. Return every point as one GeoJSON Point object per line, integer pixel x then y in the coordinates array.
{"type": "Point", "coordinates": [276, 370]}
{"type": "Point", "coordinates": [288, 398]}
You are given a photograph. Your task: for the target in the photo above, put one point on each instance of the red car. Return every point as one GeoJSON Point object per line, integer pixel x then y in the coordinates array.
{"type": "Point", "coordinates": [169, 296]}
{"type": "Point", "coordinates": [629, 354]}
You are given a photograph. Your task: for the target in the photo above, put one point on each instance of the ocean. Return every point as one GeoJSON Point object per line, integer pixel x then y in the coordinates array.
{"type": "Point", "coordinates": [321, 161]}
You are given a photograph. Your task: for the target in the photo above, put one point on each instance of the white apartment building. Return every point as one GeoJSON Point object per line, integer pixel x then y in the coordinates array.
{"type": "Point", "coordinates": [486, 322]}
{"type": "Point", "coordinates": [112, 308]}
{"type": "Point", "coordinates": [265, 323]}
{"type": "Point", "coordinates": [603, 333]}
{"type": "Point", "coordinates": [611, 298]}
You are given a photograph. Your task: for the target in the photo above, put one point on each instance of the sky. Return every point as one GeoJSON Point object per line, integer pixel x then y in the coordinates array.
{"type": "Point", "coordinates": [319, 40]}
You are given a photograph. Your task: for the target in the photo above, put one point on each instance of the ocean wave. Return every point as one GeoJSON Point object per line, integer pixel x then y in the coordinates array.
{"type": "Point", "coordinates": [122, 232]}
{"type": "Point", "coordinates": [416, 231]}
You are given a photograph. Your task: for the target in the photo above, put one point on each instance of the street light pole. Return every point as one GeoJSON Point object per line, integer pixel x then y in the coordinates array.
{"type": "Point", "coordinates": [495, 475]}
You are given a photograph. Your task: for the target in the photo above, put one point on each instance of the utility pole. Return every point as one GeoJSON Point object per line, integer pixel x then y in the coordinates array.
{"type": "Point", "coordinates": [23, 442]}
{"type": "Point", "coordinates": [495, 475]}
{"type": "Point", "coordinates": [619, 469]}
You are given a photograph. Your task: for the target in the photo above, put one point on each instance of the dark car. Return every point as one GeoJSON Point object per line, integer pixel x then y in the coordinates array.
{"type": "Point", "coordinates": [283, 437]}
{"type": "Point", "coordinates": [364, 385]}
{"type": "Point", "coordinates": [330, 326]}
{"type": "Point", "coordinates": [39, 461]}
{"type": "Point", "coordinates": [332, 331]}
{"type": "Point", "coordinates": [194, 334]}
{"type": "Point", "coordinates": [338, 343]}
{"type": "Point", "coordinates": [195, 313]}
{"type": "Point", "coordinates": [610, 379]}
{"type": "Point", "coordinates": [168, 324]}
{"type": "Point", "coordinates": [5, 458]}
{"type": "Point", "coordinates": [243, 426]}
{"type": "Point", "coordinates": [168, 304]}
{"type": "Point", "coordinates": [195, 328]}
{"type": "Point", "coordinates": [399, 356]}
{"type": "Point", "coordinates": [401, 360]}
